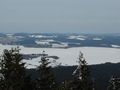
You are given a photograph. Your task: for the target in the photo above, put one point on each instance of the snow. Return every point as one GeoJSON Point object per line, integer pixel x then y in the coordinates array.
{"type": "Point", "coordinates": [42, 42]}
{"type": "Point", "coordinates": [49, 40]}
{"type": "Point", "coordinates": [97, 39]}
{"type": "Point", "coordinates": [62, 45]}
{"type": "Point", "coordinates": [41, 36]}
{"type": "Point", "coordinates": [82, 39]}
{"type": "Point", "coordinates": [69, 56]}
{"type": "Point", "coordinates": [115, 46]}
{"type": "Point", "coordinates": [19, 36]}
{"type": "Point", "coordinates": [78, 37]}
{"type": "Point", "coordinates": [12, 35]}
{"type": "Point", "coordinates": [9, 34]}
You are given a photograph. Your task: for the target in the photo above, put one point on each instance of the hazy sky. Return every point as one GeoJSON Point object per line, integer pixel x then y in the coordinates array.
{"type": "Point", "coordinates": [78, 16]}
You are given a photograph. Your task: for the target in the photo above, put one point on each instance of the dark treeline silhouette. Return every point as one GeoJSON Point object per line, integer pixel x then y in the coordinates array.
{"type": "Point", "coordinates": [15, 76]}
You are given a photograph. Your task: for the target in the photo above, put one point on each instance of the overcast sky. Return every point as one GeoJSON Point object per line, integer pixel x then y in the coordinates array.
{"type": "Point", "coordinates": [61, 16]}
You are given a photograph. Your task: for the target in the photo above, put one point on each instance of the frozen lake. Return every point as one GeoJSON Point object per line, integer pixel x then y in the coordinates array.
{"type": "Point", "coordinates": [93, 55]}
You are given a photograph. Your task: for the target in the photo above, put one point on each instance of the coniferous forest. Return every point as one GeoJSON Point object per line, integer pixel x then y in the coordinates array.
{"type": "Point", "coordinates": [15, 76]}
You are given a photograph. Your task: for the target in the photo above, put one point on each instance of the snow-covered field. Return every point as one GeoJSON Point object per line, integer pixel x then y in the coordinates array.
{"type": "Point", "coordinates": [93, 55]}
{"type": "Point", "coordinates": [78, 37]}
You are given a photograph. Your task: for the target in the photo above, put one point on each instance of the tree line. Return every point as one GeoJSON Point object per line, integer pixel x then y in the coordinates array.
{"type": "Point", "coordinates": [13, 75]}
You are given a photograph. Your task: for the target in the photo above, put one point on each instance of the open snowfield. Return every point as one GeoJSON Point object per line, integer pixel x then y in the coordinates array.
{"type": "Point", "coordinates": [93, 55]}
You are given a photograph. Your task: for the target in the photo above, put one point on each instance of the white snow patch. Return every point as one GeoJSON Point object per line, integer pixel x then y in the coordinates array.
{"type": "Point", "coordinates": [82, 39]}
{"type": "Point", "coordinates": [78, 37]}
{"type": "Point", "coordinates": [9, 35]}
{"type": "Point", "coordinates": [97, 39]}
{"type": "Point", "coordinates": [115, 46]}
{"type": "Point", "coordinates": [49, 40]}
{"type": "Point", "coordinates": [62, 45]}
{"type": "Point", "coordinates": [42, 36]}
{"type": "Point", "coordinates": [42, 42]}
{"type": "Point", "coordinates": [19, 36]}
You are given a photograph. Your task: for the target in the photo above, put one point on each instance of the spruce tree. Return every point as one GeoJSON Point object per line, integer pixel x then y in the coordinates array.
{"type": "Point", "coordinates": [46, 80]}
{"type": "Point", "coordinates": [81, 75]}
{"type": "Point", "coordinates": [114, 83]}
{"type": "Point", "coordinates": [12, 70]}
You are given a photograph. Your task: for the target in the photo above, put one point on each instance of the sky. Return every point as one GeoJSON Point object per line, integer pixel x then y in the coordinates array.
{"type": "Point", "coordinates": [60, 16]}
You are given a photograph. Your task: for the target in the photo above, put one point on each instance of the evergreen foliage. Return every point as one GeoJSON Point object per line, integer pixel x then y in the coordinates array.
{"type": "Point", "coordinates": [114, 83]}
{"type": "Point", "coordinates": [12, 70]}
{"type": "Point", "coordinates": [29, 84]}
{"type": "Point", "coordinates": [81, 75]}
{"type": "Point", "coordinates": [46, 80]}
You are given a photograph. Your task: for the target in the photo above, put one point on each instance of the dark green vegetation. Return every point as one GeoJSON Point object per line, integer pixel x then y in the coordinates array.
{"type": "Point", "coordinates": [15, 76]}
{"type": "Point", "coordinates": [45, 80]}
{"type": "Point", "coordinates": [101, 74]}
{"type": "Point", "coordinates": [13, 71]}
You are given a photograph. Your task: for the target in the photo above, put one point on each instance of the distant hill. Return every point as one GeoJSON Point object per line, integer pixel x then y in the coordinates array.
{"type": "Point", "coordinates": [61, 40]}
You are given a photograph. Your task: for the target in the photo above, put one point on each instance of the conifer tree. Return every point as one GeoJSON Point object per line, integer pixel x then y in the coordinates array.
{"type": "Point", "coordinates": [2, 86]}
{"type": "Point", "coordinates": [46, 80]}
{"type": "Point", "coordinates": [81, 75]}
{"type": "Point", "coordinates": [12, 70]}
{"type": "Point", "coordinates": [65, 85]}
{"type": "Point", "coordinates": [114, 83]}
